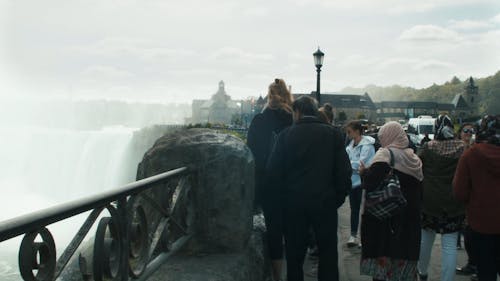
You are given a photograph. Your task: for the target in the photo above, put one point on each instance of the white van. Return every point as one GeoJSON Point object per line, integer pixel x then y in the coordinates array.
{"type": "Point", "coordinates": [421, 125]}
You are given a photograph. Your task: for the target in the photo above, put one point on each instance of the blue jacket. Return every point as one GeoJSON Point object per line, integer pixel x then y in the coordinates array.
{"type": "Point", "coordinates": [364, 151]}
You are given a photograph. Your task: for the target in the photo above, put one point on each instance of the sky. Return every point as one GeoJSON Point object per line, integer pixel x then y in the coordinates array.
{"type": "Point", "coordinates": [176, 51]}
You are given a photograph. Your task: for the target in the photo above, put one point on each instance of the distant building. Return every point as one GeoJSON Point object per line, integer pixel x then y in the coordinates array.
{"type": "Point", "coordinates": [462, 106]}
{"type": "Point", "coordinates": [397, 110]}
{"type": "Point", "coordinates": [219, 109]}
{"type": "Point", "coordinates": [350, 106]}
{"type": "Point", "coordinates": [471, 96]}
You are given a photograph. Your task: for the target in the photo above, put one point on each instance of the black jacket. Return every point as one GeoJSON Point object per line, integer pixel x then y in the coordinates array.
{"type": "Point", "coordinates": [309, 161]}
{"type": "Point", "coordinates": [259, 142]}
{"type": "Point", "coordinates": [259, 133]}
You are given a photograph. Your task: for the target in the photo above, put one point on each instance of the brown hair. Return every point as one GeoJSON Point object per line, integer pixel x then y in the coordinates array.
{"type": "Point", "coordinates": [327, 111]}
{"type": "Point", "coordinates": [278, 96]}
{"type": "Point", "coordinates": [356, 126]}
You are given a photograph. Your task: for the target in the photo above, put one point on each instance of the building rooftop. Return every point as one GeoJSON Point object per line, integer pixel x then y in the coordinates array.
{"type": "Point", "coordinates": [344, 100]}
{"type": "Point", "coordinates": [459, 102]}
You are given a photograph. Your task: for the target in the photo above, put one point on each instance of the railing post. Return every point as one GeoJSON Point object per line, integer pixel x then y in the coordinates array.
{"type": "Point", "coordinates": [122, 211]}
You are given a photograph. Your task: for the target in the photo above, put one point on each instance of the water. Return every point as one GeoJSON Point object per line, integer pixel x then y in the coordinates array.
{"type": "Point", "coordinates": [41, 167]}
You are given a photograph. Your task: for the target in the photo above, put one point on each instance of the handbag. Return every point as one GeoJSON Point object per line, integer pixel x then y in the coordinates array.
{"type": "Point", "coordinates": [387, 199]}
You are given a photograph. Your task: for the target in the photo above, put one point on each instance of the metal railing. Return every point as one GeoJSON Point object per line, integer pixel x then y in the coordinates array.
{"type": "Point", "coordinates": [124, 244]}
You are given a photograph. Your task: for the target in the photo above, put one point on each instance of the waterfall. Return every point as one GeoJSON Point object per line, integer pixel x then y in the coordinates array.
{"type": "Point", "coordinates": [41, 167]}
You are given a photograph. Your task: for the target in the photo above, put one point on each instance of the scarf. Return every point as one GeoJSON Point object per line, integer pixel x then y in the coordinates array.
{"type": "Point", "coordinates": [444, 128]}
{"type": "Point", "coordinates": [392, 136]}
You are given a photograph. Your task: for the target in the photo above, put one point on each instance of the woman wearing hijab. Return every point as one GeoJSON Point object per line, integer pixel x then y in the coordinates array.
{"type": "Point", "coordinates": [441, 212]}
{"type": "Point", "coordinates": [276, 116]}
{"type": "Point", "coordinates": [390, 248]}
{"type": "Point", "coordinates": [477, 184]}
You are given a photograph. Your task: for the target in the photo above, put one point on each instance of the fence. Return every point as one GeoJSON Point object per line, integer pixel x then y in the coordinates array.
{"type": "Point", "coordinates": [126, 245]}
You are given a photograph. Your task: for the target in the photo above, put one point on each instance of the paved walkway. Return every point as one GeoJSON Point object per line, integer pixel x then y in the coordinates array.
{"type": "Point", "coordinates": [349, 257]}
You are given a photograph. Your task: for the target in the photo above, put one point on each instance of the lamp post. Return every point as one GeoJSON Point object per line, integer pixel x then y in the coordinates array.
{"type": "Point", "coordinates": [318, 61]}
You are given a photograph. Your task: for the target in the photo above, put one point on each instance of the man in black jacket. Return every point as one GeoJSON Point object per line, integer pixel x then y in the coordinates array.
{"type": "Point", "coordinates": [311, 165]}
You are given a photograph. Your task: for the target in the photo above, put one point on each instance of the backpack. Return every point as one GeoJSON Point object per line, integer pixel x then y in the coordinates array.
{"type": "Point", "coordinates": [387, 199]}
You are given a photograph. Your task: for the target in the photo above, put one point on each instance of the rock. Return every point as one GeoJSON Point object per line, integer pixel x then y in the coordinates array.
{"type": "Point", "coordinates": [222, 185]}
{"type": "Point", "coordinates": [247, 265]}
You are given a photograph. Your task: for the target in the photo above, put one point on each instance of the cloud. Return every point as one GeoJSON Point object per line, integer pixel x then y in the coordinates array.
{"type": "Point", "coordinates": [469, 24]}
{"type": "Point", "coordinates": [239, 56]}
{"type": "Point", "coordinates": [132, 47]}
{"type": "Point", "coordinates": [412, 64]}
{"type": "Point", "coordinates": [430, 33]}
{"type": "Point", "coordinates": [391, 6]}
{"type": "Point", "coordinates": [432, 65]}
{"type": "Point", "coordinates": [106, 72]}
{"type": "Point", "coordinates": [357, 60]}
{"type": "Point", "coordinates": [260, 11]}
{"type": "Point", "coordinates": [393, 63]}
{"type": "Point", "coordinates": [496, 18]}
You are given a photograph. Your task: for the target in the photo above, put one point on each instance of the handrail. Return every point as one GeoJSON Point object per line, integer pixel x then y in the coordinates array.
{"type": "Point", "coordinates": [32, 221]}
{"type": "Point", "coordinates": [121, 249]}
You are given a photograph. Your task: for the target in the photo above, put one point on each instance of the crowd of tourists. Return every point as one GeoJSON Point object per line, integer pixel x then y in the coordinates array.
{"type": "Point", "coordinates": [399, 198]}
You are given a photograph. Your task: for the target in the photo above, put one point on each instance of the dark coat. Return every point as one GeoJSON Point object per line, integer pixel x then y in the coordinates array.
{"type": "Point", "coordinates": [438, 190]}
{"type": "Point", "coordinates": [259, 142]}
{"type": "Point", "coordinates": [309, 162]}
{"type": "Point", "coordinates": [477, 183]}
{"type": "Point", "coordinates": [398, 237]}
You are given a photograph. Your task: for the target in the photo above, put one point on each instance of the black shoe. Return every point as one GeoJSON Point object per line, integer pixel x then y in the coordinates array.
{"type": "Point", "coordinates": [422, 277]}
{"type": "Point", "coordinates": [468, 269]}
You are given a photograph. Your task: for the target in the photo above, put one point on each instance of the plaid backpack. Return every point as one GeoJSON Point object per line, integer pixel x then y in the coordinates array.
{"type": "Point", "coordinates": [387, 199]}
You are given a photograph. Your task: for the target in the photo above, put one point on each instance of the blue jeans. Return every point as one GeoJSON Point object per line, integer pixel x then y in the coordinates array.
{"type": "Point", "coordinates": [448, 253]}
{"type": "Point", "coordinates": [355, 202]}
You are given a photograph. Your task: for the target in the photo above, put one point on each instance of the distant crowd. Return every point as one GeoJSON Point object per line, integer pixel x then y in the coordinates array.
{"type": "Point", "coordinates": [400, 198]}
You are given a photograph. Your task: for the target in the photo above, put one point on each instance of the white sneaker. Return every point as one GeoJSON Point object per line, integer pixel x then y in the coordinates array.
{"type": "Point", "coordinates": [352, 242]}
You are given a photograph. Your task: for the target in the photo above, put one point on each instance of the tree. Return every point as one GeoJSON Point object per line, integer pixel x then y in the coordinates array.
{"type": "Point", "coordinates": [455, 80]}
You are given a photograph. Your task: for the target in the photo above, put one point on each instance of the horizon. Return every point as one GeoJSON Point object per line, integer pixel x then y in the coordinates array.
{"type": "Point", "coordinates": [163, 50]}
{"type": "Point", "coordinates": [171, 103]}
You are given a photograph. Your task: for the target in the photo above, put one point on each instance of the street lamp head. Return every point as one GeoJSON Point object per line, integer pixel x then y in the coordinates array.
{"type": "Point", "coordinates": [318, 58]}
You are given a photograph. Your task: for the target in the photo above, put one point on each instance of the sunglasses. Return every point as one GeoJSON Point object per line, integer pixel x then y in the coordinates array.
{"type": "Point", "coordinates": [468, 131]}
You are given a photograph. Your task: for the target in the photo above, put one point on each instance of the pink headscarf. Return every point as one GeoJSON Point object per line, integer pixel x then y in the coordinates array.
{"type": "Point", "coordinates": [393, 136]}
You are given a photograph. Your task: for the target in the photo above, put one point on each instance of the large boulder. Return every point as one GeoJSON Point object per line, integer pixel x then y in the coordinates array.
{"type": "Point", "coordinates": [221, 188]}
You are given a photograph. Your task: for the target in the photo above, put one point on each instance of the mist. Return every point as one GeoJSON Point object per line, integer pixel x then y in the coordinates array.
{"type": "Point", "coordinates": [54, 151]}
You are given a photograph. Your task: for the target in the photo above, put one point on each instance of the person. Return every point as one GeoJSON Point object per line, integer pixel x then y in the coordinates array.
{"type": "Point", "coordinates": [477, 184]}
{"type": "Point", "coordinates": [323, 117]}
{"type": "Point", "coordinates": [276, 115]}
{"type": "Point", "coordinates": [325, 113]}
{"type": "Point", "coordinates": [441, 212]}
{"type": "Point", "coordinates": [390, 248]}
{"type": "Point", "coordinates": [466, 133]}
{"type": "Point", "coordinates": [360, 150]}
{"type": "Point", "coordinates": [312, 168]}
{"type": "Point", "coordinates": [425, 139]}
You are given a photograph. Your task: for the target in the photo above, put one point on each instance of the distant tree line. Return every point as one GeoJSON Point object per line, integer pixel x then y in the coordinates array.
{"type": "Point", "coordinates": [489, 92]}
